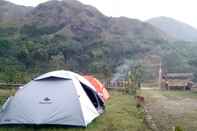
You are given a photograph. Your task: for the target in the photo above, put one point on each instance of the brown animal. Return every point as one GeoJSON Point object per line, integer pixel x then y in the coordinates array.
{"type": "Point", "coordinates": [139, 101]}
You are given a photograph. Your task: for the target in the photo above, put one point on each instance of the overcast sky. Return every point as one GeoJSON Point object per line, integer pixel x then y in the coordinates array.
{"type": "Point", "coordinates": [183, 10]}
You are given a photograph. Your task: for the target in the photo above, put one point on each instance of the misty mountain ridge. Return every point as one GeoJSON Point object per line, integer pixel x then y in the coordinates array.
{"type": "Point", "coordinates": [70, 35]}
{"type": "Point", "coordinates": [176, 29]}
{"type": "Point", "coordinates": [72, 17]}
{"type": "Point", "coordinates": [10, 12]}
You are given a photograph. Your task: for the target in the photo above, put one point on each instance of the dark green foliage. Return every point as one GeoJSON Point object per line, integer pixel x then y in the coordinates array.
{"type": "Point", "coordinates": [7, 32]}
{"type": "Point", "coordinates": [23, 56]}
{"type": "Point", "coordinates": [83, 44]}
{"type": "Point", "coordinates": [178, 128]}
{"type": "Point", "coordinates": [36, 56]}
{"type": "Point", "coordinates": [35, 31]}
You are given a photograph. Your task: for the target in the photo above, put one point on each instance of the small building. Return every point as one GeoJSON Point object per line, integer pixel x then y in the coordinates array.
{"type": "Point", "coordinates": [177, 81]}
{"type": "Point", "coordinates": [194, 87]}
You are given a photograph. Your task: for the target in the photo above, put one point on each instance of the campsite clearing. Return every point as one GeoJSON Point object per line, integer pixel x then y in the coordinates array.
{"type": "Point", "coordinates": [172, 109]}
{"type": "Point", "coordinates": [121, 114]}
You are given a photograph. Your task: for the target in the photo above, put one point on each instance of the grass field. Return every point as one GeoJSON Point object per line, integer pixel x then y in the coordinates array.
{"type": "Point", "coordinates": [121, 115]}
{"type": "Point", "coordinates": [172, 109]}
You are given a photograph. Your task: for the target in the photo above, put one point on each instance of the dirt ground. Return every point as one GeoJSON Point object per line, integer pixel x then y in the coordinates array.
{"type": "Point", "coordinates": [172, 109]}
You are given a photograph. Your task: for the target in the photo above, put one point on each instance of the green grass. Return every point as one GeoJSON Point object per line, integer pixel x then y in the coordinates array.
{"type": "Point", "coordinates": [121, 115]}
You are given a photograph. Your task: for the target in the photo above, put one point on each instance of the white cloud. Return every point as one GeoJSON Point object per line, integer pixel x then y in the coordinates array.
{"type": "Point", "coordinates": [183, 10]}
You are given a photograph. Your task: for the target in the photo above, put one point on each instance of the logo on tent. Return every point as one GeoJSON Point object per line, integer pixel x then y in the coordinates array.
{"type": "Point", "coordinates": [46, 100]}
{"type": "Point", "coordinates": [7, 120]}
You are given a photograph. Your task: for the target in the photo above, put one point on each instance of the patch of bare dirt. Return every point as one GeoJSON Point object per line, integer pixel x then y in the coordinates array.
{"type": "Point", "coordinates": [169, 112]}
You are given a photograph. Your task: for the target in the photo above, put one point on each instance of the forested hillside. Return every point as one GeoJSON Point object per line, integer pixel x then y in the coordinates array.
{"type": "Point", "coordinates": [70, 35]}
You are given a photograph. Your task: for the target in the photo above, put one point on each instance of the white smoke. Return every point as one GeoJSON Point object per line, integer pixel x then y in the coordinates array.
{"type": "Point", "coordinates": [122, 70]}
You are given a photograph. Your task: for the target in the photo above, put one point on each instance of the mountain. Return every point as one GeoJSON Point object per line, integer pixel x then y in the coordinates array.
{"type": "Point", "coordinates": [74, 18]}
{"type": "Point", "coordinates": [70, 18]}
{"type": "Point", "coordinates": [71, 35]}
{"type": "Point", "coordinates": [175, 28]}
{"type": "Point", "coordinates": [10, 12]}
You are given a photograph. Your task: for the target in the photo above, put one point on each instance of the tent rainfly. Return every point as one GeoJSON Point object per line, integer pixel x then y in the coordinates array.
{"type": "Point", "coordinates": [55, 98]}
{"type": "Point", "coordinates": [100, 88]}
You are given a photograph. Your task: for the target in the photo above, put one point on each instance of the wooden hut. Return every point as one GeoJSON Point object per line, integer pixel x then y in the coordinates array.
{"type": "Point", "coordinates": [177, 81]}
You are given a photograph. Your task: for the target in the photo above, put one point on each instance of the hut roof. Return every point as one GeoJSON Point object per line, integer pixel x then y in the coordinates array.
{"type": "Point", "coordinates": [179, 75]}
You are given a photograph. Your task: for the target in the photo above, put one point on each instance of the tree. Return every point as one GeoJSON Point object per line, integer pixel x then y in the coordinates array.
{"type": "Point", "coordinates": [57, 62]}
{"type": "Point", "coordinates": [23, 56]}
{"type": "Point", "coordinates": [134, 79]}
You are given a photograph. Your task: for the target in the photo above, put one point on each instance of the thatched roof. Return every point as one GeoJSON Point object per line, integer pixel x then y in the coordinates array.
{"type": "Point", "coordinates": [179, 75]}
